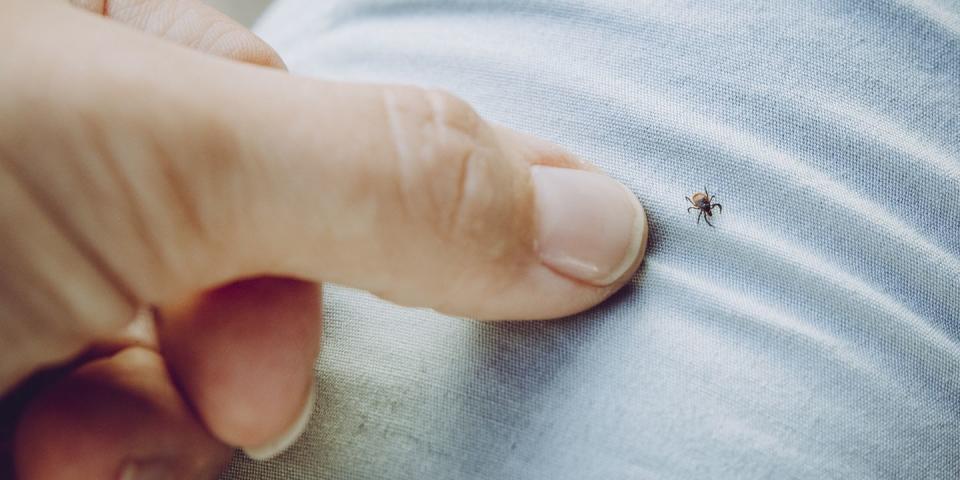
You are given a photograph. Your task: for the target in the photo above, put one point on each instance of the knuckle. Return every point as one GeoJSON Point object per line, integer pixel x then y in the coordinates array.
{"type": "Point", "coordinates": [452, 113]}
{"type": "Point", "coordinates": [444, 154]}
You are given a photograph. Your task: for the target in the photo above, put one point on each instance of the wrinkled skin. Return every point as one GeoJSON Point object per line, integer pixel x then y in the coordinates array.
{"type": "Point", "coordinates": [168, 214]}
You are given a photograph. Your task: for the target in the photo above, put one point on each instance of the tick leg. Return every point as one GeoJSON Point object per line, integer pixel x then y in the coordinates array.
{"type": "Point", "coordinates": [690, 208]}
{"type": "Point", "coordinates": [719, 207]}
{"type": "Point", "coordinates": [705, 219]}
{"type": "Point", "coordinates": [698, 217]}
{"type": "Point", "coordinates": [691, 201]}
{"type": "Point", "coordinates": [706, 192]}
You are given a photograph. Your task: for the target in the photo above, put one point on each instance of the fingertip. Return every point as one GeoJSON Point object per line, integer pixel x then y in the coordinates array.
{"type": "Point", "coordinates": [579, 239]}
{"type": "Point", "coordinates": [589, 226]}
{"type": "Point", "coordinates": [243, 45]}
{"type": "Point", "coordinates": [591, 233]}
{"type": "Point", "coordinates": [638, 233]}
{"type": "Point", "coordinates": [244, 354]}
{"type": "Point", "coordinates": [191, 23]}
{"type": "Point", "coordinates": [284, 440]}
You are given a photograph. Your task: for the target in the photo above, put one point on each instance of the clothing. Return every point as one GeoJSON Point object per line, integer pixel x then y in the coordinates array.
{"type": "Point", "coordinates": [813, 333]}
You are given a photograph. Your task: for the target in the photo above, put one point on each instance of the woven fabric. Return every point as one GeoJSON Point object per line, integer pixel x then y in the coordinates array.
{"type": "Point", "coordinates": [814, 333]}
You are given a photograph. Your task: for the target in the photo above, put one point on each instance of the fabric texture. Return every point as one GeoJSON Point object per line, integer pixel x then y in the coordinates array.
{"type": "Point", "coordinates": [813, 333]}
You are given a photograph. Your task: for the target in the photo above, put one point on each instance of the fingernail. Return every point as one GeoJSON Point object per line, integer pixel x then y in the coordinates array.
{"type": "Point", "coordinates": [589, 226]}
{"type": "Point", "coordinates": [147, 470]}
{"type": "Point", "coordinates": [282, 442]}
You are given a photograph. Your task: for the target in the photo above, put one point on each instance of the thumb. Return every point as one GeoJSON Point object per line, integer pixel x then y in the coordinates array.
{"type": "Point", "coordinates": [404, 192]}
{"type": "Point", "coordinates": [409, 194]}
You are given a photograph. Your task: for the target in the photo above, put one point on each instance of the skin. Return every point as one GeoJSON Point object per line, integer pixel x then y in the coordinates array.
{"type": "Point", "coordinates": [167, 220]}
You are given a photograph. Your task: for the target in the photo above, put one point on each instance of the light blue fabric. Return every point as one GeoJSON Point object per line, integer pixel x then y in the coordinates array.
{"type": "Point", "coordinates": [814, 333]}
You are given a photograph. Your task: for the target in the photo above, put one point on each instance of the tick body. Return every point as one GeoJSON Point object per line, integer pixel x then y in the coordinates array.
{"type": "Point", "coordinates": [703, 202]}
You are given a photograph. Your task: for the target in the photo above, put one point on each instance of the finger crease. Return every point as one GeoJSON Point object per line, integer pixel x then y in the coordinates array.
{"type": "Point", "coordinates": [59, 218]}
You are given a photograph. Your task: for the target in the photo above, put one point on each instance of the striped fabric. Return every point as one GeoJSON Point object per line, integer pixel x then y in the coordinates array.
{"type": "Point", "coordinates": [813, 333]}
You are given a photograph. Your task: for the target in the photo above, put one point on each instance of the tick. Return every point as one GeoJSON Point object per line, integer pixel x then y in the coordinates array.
{"type": "Point", "coordinates": [703, 201]}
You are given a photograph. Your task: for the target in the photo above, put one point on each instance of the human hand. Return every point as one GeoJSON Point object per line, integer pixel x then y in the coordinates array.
{"type": "Point", "coordinates": [218, 192]}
